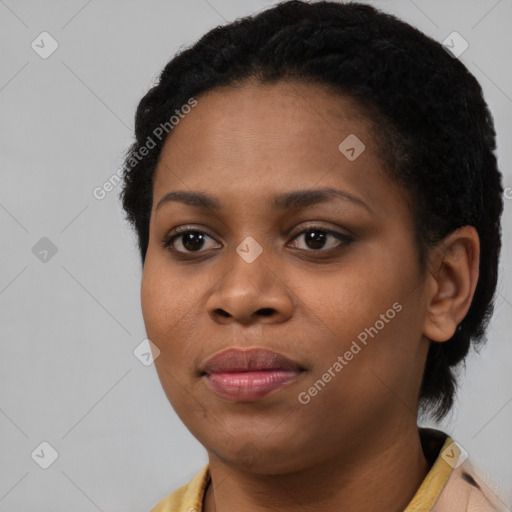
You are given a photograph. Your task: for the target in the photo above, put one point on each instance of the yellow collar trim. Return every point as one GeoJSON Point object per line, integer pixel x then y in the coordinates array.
{"type": "Point", "coordinates": [190, 496]}
{"type": "Point", "coordinates": [436, 478]}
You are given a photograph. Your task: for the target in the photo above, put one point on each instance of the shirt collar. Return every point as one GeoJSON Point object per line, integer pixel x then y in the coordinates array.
{"type": "Point", "coordinates": [439, 449]}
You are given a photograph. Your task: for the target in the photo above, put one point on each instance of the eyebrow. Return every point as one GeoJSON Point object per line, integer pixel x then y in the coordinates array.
{"type": "Point", "coordinates": [295, 200]}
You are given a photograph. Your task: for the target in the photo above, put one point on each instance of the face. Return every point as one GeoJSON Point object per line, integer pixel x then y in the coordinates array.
{"type": "Point", "coordinates": [329, 280]}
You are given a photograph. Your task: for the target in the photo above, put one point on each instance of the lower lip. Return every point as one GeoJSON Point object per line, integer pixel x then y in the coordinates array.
{"type": "Point", "coordinates": [249, 386]}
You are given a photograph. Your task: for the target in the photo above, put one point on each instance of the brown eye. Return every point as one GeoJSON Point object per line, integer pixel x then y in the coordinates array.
{"type": "Point", "coordinates": [188, 241]}
{"type": "Point", "coordinates": [316, 239]}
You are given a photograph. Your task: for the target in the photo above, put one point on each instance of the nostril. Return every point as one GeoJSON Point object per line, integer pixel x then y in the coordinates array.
{"type": "Point", "coordinates": [222, 312]}
{"type": "Point", "coordinates": [265, 311]}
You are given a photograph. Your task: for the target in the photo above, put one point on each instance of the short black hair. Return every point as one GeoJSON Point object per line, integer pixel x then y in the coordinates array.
{"type": "Point", "coordinates": [434, 130]}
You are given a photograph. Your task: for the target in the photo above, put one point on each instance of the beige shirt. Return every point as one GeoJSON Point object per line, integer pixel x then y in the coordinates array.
{"type": "Point", "coordinates": [451, 485]}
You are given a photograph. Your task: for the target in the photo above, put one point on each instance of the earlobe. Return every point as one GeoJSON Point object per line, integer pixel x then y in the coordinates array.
{"type": "Point", "coordinates": [453, 276]}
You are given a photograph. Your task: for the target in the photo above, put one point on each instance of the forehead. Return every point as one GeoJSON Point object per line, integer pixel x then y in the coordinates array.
{"type": "Point", "coordinates": [256, 138]}
{"type": "Point", "coordinates": [270, 113]}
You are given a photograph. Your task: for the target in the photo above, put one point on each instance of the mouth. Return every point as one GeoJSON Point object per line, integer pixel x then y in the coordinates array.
{"type": "Point", "coordinates": [248, 375]}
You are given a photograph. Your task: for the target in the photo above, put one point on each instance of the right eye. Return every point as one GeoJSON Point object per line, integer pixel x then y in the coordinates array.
{"type": "Point", "coordinates": [187, 241]}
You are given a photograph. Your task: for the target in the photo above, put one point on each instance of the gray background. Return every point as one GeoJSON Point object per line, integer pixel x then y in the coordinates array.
{"type": "Point", "coordinates": [69, 326]}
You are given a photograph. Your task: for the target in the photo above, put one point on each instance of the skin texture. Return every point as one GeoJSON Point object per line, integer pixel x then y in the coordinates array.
{"type": "Point", "coordinates": [243, 145]}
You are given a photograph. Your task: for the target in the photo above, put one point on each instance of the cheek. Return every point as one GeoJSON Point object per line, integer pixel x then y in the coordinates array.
{"type": "Point", "coordinates": [162, 313]}
{"type": "Point", "coordinates": [369, 317]}
{"type": "Point", "coordinates": [169, 327]}
{"type": "Point", "coordinates": [170, 307]}
{"type": "Point", "coordinates": [153, 297]}
{"type": "Point", "coordinates": [166, 299]}
{"type": "Point", "coordinates": [353, 299]}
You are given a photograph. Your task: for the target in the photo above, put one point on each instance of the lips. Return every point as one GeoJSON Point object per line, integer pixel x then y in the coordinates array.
{"type": "Point", "coordinates": [235, 360]}
{"type": "Point", "coordinates": [249, 375]}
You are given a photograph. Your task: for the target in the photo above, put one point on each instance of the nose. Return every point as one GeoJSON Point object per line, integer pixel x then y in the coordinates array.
{"type": "Point", "coordinates": [250, 293]}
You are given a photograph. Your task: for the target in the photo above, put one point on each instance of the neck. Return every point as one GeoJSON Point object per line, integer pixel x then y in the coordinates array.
{"type": "Point", "coordinates": [384, 475]}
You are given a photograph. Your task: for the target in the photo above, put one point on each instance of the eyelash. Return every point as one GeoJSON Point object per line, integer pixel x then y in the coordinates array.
{"type": "Point", "coordinates": [168, 241]}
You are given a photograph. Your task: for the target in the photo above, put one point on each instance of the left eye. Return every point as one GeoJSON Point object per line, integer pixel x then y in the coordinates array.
{"type": "Point", "coordinates": [316, 239]}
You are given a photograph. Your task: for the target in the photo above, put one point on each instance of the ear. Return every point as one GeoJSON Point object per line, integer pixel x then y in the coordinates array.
{"type": "Point", "coordinates": [452, 275]}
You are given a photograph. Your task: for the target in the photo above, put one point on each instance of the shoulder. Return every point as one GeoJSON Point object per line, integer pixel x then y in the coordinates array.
{"type": "Point", "coordinates": [452, 484]}
{"type": "Point", "coordinates": [188, 497]}
{"type": "Point", "coordinates": [465, 491]}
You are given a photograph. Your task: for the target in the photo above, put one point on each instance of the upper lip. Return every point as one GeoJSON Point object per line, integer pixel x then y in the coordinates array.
{"type": "Point", "coordinates": [247, 359]}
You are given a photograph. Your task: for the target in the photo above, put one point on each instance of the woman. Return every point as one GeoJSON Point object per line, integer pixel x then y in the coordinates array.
{"type": "Point", "coordinates": [317, 204]}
